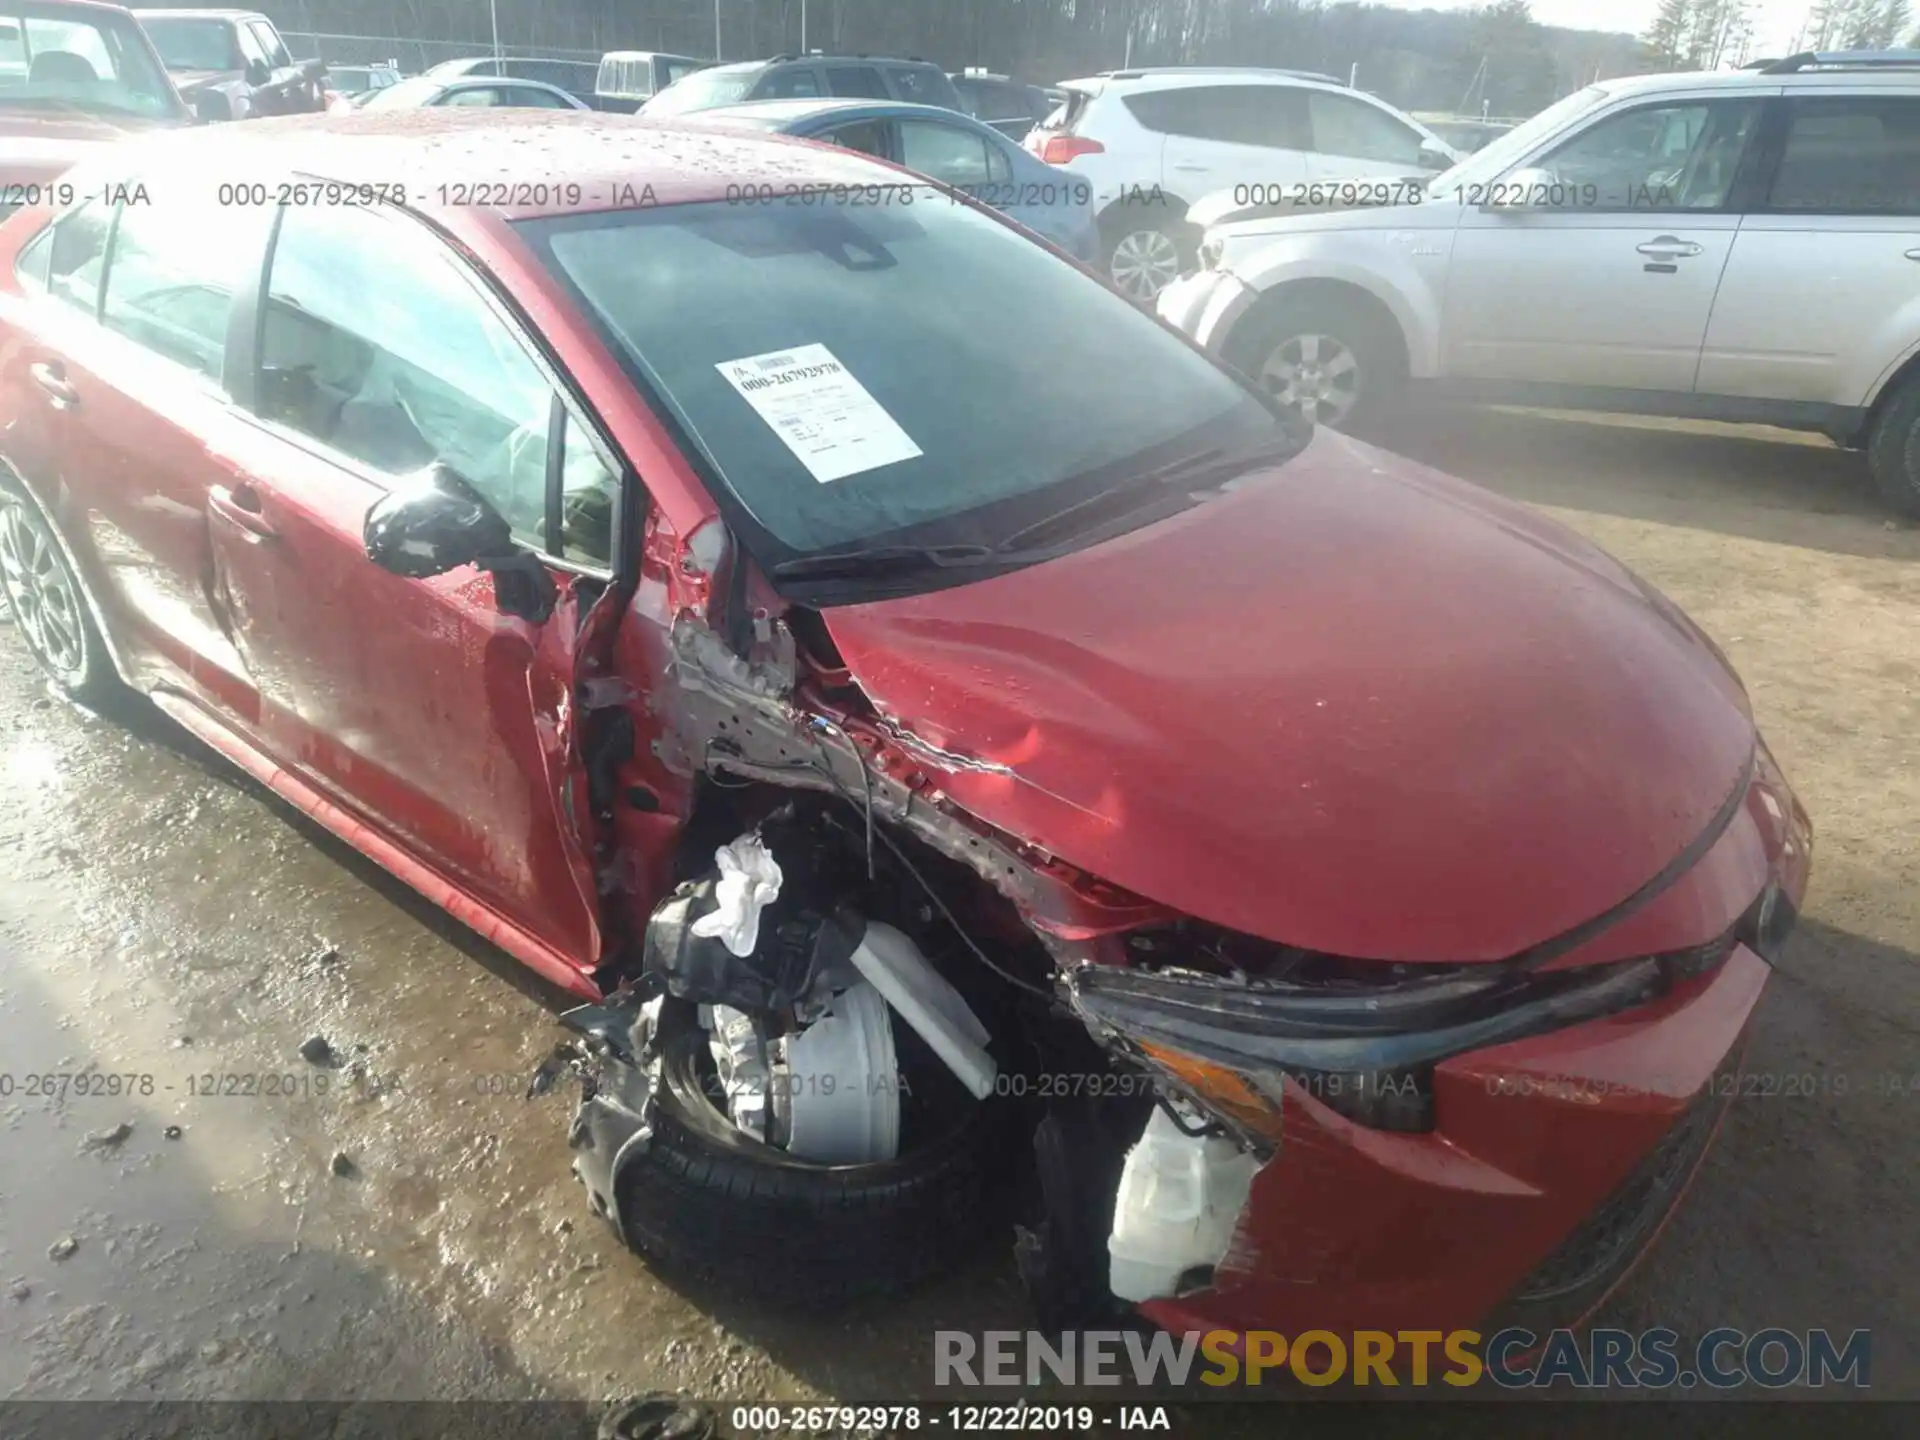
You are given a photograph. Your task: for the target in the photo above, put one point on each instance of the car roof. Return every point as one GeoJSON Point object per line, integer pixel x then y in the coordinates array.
{"type": "Point", "coordinates": [200, 15]}
{"type": "Point", "coordinates": [545, 154]}
{"type": "Point", "coordinates": [91, 5]}
{"type": "Point", "coordinates": [1179, 77]}
{"type": "Point", "coordinates": [806, 107]}
{"type": "Point", "coordinates": [1761, 82]}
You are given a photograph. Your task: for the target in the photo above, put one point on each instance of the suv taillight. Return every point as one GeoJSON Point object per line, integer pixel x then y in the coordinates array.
{"type": "Point", "coordinates": [1059, 149]}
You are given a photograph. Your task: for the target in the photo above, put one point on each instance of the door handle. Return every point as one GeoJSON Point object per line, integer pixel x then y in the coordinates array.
{"type": "Point", "coordinates": [1668, 247]}
{"type": "Point", "coordinates": [1191, 169]}
{"type": "Point", "coordinates": [51, 376]}
{"type": "Point", "coordinates": [240, 508]}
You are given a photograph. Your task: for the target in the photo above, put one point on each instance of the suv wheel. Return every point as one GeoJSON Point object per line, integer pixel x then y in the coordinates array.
{"type": "Point", "coordinates": [1893, 449]}
{"type": "Point", "coordinates": [1148, 247]}
{"type": "Point", "coordinates": [1330, 361]}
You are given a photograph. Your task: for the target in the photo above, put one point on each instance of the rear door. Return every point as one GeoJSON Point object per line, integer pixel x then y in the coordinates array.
{"type": "Point", "coordinates": [127, 355]}
{"type": "Point", "coordinates": [1822, 294]}
{"type": "Point", "coordinates": [1609, 283]}
{"type": "Point", "coordinates": [420, 704]}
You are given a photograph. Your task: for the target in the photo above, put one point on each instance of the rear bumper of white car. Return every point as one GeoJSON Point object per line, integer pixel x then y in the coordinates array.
{"type": "Point", "coordinates": [1206, 305]}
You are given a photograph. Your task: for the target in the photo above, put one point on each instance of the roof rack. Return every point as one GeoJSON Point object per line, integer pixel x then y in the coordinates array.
{"type": "Point", "coordinates": [1840, 59]}
{"type": "Point", "coordinates": [1138, 71]}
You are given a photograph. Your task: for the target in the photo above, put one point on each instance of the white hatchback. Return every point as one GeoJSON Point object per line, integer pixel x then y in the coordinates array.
{"type": "Point", "coordinates": [1154, 142]}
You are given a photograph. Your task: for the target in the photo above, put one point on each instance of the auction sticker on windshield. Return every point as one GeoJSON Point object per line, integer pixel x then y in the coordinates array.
{"type": "Point", "coordinates": [825, 416]}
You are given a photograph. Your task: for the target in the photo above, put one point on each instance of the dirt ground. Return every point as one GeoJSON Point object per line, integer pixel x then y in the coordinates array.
{"type": "Point", "coordinates": [160, 917]}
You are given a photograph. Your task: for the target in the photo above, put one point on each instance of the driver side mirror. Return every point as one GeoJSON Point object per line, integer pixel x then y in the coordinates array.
{"type": "Point", "coordinates": [434, 521]}
{"type": "Point", "coordinates": [1523, 190]}
{"type": "Point", "coordinates": [1433, 158]}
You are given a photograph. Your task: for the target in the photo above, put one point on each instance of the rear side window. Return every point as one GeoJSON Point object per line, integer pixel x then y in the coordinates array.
{"type": "Point", "coordinates": [1273, 116]}
{"type": "Point", "coordinates": [79, 255]}
{"type": "Point", "coordinates": [1850, 155]}
{"type": "Point", "coordinates": [1345, 126]}
{"type": "Point", "coordinates": [859, 81]}
{"type": "Point", "coordinates": [787, 82]}
{"type": "Point", "coordinates": [951, 155]}
{"type": "Point", "coordinates": [924, 85]}
{"type": "Point", "coordinates": [170, 286]}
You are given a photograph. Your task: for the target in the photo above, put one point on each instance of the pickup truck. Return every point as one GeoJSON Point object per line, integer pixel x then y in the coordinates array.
{"type": "Point", "coordinates": [233, 65]}
{"type": "Point", "coordinates": [75, 75]}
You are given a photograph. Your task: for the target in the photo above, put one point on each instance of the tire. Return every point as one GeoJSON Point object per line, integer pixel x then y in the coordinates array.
{"type": "Point", "coordinates": [1147, 249]}
{"type": "Point", "coordinates": [1893, 450]}
{"type": "Point", "coordinates": [1330, 360]}
{"type": "Point", "coordinates": [707, 1201]}
{"type": "Point", "coordinates": [49, 604]}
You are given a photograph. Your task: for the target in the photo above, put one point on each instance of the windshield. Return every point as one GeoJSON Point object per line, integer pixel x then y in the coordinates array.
{"type": "Point", "coordinates": [66, 57]}
{"type": "Point", "coordinates": [195, 44]}
{"type": "Point", "coordinates": [703, 90]}
{"type": "Point", "coordinates": [831, 365]}
{"type": "Point", "coordinates": [1513, 145]}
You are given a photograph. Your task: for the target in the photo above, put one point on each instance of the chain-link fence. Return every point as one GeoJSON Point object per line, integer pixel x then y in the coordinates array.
{"type": "Point", "coordinates": [413, 56]}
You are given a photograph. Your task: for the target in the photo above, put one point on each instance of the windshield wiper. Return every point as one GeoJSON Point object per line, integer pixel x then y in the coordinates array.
{"type": "Point", "coordinates": [870, 559]}
{"type": "Point", "coordinates": [1182, 479]}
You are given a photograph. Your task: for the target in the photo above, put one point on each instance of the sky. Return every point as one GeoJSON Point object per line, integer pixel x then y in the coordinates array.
{"type": "Point", "coordinates": [1775, 21]}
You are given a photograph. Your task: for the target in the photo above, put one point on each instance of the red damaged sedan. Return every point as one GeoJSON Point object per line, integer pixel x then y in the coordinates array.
{"type": "Point", "coordinates": [973, 760]}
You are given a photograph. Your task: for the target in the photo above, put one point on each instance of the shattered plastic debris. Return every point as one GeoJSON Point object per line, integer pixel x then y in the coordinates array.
{"type": "Point", "coordinates": [749, 882]}
{"type": "Point", "coordinates": [112, 1139]}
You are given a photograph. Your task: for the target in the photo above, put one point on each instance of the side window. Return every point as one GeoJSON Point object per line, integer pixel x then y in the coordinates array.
{"type": "Point", "coordinates": [270, 43]}
{"type": "Point", "coordinates": [1272, 116]}
{"type": "Point", "coordinates": [859, 81]}
{"type": "Point", "coordinates": [170, 286]}
{"type": "Point", "coordinates": [251, 49]}
{"type": "Point", "coordinates": [1850, 155]}
{"type": "Point", "coordinates": [944, 152]}
{"type": "Point", "coordinates": [79, 257]}
{"type": "Point", "coordinates": [528, 98]}
{"type": "Point", "coordinates": [788, 82]}
{"type": "Point", "coordinates": [869, 137]}
{"type": "Point", "coordinates": [921, 84]}
{"type": "Point", "coordinates": [1345, 126]}
{"type": "Point", "coordinates": [1657, 157]}
{"type": "Point", "coordinates": [30, 265]}
{"type": "Point", "coordinates": [473, 96]}
{"type": "Point", "coordinates": [588, 489]}
{"type": "Point", "coordinates": [376, 344]}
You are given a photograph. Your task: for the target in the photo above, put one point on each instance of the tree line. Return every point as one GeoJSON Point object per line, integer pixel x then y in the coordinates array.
{"type": "Point", "coordinates": [1706, 34]}
{"type": "Point", "coordinates": [1495, 60]}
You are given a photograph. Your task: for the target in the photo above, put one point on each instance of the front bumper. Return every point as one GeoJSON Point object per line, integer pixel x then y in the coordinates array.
{"type": "Point", "coordinates": [1553, 1164]}
{"type": "Point", "coordinates": [1206, 305]}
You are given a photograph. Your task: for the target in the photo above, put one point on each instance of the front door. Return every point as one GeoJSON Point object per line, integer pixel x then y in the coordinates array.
{"type": "Point", "coordinates": [1609, 281]}
{"type": "Point", "coordinates": [444, 720]}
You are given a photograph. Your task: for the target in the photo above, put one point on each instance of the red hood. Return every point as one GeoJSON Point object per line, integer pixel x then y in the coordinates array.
{"type": "Point", "coordinates": [36, 148]}
{"type": "Point", "coordinates": [1355, 705]}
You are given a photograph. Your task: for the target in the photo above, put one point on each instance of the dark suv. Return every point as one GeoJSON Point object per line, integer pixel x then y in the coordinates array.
{"type": "Point", "coordinates": [788, 77]}
{"type": "Point", "coordinates": [232, 64]}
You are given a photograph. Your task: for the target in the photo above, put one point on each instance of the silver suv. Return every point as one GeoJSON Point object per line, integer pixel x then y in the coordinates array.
{"type": "Point", "coordinates": [1738, 246]}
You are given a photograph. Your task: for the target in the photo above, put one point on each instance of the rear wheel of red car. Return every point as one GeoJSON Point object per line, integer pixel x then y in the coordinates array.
{"type": "Point", "coordinates": [1332, 359]}
{"type": "Point", "coordinates": [706, 1200]}
{"type": "Point", "coordinates": [1893, 450]}
{"type": "Point", "coordinates": [48, 603]}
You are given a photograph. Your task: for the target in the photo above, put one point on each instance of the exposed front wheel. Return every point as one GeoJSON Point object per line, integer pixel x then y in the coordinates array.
{"type": "Point", "coordinates": [1893, 450]}
{"type": "Point", "coordinates": [48, 604]}
{"type": "Point", "coordinates": [1330, 361]}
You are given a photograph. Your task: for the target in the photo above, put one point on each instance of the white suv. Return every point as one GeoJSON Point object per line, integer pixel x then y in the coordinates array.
{"type": "Point", "coordinates": [1738, 246]}
{"type": "Point", "coordinates": [1153, 142]}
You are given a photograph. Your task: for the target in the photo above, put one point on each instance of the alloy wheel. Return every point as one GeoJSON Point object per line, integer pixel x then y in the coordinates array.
{"type": "Point", "coordinates": [42, 593]}
{"type": "Point", "coordinates": [1317, 376]}
{"type": "Point", "coordinates": [1144, 263]}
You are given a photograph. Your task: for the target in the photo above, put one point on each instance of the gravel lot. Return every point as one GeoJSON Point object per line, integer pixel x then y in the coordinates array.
{"type": "Point", "coordinates": [160, 917]}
